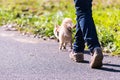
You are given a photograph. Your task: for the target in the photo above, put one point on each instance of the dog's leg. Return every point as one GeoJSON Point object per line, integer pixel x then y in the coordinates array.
{"type": "Point", "coordinates": [64, 46]}
{"type": "Point", "coordinates": [61, 45]}
{"type": "Point", "coordinates": [70, 47]}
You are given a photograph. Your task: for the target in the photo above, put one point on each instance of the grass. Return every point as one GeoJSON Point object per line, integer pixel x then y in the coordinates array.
{"type": "Point", "coordinates": [107, 20]}
{"type": "Point", "coordinates": [39, 17]}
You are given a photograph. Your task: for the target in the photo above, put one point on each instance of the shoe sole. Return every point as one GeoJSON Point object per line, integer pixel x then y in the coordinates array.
{"type": "Point", "coordinates": [96, 61]}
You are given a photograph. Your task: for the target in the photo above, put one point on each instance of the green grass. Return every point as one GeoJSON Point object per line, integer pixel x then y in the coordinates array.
{"type": "Point", "coordinates": [40, 16]}
{"type": "Point", "coordinates": [107, 19]}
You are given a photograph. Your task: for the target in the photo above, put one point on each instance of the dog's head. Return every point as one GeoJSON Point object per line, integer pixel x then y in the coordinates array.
{"type": "Point", "coordinates": [67, 22]}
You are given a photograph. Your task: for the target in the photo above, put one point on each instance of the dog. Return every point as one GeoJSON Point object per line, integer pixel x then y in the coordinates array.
{"type": "Point", "coordinates": [64, 33]}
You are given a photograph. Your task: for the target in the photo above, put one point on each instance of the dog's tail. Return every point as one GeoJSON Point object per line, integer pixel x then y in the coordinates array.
{"type": "Point", "coordinates": [56, 31]}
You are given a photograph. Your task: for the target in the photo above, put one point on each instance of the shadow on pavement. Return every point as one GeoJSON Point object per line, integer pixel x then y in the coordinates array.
{"type": "Point", "coordinates": [111, 69]}
{"type": "Point", "coordinates": [114, 65]}
{"type": "Point", "coordinates": [85, 61]}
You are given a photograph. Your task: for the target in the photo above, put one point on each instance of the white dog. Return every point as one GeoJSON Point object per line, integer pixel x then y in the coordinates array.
{"type": "Point", "coordinates": [64, 33]}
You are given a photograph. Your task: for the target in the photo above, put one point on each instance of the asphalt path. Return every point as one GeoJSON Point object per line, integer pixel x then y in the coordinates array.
{"type": "Point", "coordinates": [28, 58]}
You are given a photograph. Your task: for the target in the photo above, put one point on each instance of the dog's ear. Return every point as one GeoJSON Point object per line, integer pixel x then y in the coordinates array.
{"type": "Point", "coordinates": [74, 26]}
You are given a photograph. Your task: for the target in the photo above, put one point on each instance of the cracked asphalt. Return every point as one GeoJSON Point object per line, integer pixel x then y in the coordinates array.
{"type": "Point", "coordinates": [28, 58]}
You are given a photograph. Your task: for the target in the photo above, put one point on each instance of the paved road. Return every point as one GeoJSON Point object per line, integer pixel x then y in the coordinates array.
{"type": "Point", "coordinates": [26, 58]}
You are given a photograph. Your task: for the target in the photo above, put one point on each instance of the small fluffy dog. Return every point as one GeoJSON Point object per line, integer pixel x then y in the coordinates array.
{"type": "Point", "coordinates": [64, 33]}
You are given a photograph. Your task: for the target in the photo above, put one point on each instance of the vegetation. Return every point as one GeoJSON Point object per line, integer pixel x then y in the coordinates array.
{"type": "Point", "coordinates": [39, 17]}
